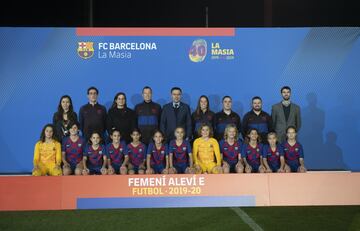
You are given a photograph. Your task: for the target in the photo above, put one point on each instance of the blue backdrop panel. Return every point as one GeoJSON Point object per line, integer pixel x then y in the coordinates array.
{"type": "Point", "coordinates": [322, 65]}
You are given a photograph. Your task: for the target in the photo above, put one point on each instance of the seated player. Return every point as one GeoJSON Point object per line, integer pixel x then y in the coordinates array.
{"type": "Point", "coordinates": [47, 154]}
{"type": "Point", "coordinates": [293, 152]}
{"type": "Point", "coordinates": [206, 150]}
{"type": "Point", "coordinates": [115, 152]}
{"type": "Point", "coordinates": [230, 148]}
{"type": "Point", "coordinates": [180, 158]}
{"type": "Point", "coordinates": [157, 160]}
{"type": "Point", "coordinates": [72, 151]}
{"type": "Point", "coordinates": [136, 152]}
{"type": "Point", "coordinates": [94, 159]}
{"type": "Point", "coordinates": [252, 152]}
{"type": "Point", "coordinates": [273, 154]}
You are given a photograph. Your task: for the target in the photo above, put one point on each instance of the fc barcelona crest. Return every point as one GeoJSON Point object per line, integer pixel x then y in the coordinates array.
{"type": "Point", "coordinates": [85, 49]}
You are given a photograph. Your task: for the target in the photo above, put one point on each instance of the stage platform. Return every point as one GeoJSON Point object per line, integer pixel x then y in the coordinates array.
{"type": "Point", "coordinates": [164, 191]}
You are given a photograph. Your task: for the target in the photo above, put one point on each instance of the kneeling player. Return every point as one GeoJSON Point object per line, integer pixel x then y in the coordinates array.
{"type": "Point", "coordinates": [230, 148]}
{"type": "Point", "coordinates": [157, 160]}
{"type": "Point", "coordinates": [180, 158]}
{"type": "Point", "coordinates": [115, 152]}
{"type": "Point", "coordinates": [293, 152]}
{"type": "Point", "coordinates": [273, 155]}
{"type": "Point", "coordinates": [47, 154]}
{"type": "Point", "coordinates": [72, 151]}
{"type": "Point", "coordinates": [206, 149]}
{"type": "Point", "coordinates": [94, 159]}
{"type": "Point", "coordinates": [136, 152]}
{"type": "Point", "coordinates": [251, 151]}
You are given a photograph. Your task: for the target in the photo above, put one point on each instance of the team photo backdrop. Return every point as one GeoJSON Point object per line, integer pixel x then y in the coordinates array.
{"type": "Point", "coordinates": [322, 66]}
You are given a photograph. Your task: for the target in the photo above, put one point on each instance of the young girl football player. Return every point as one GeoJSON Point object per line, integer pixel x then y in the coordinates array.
{"type": "Point", "coordinates": [273, 154]}
{"type": "Point", "coordinates": [136, 152]}
{"type": "Point", "coordinates": [293, 152]}
{"type": "Point", "coordinates": [230, 148]}
{"type": "Point", "coordinates": [94, 159]}
{"type": "Point", "coordinates": [72, 151]}
{"type": "Point", "coordinates": [180, 158]}
{"type": "Point", "coordinates": [252, 152]}
{"type": "Point", "coordinates": [115, 152]}
{"type": "Point", "coordinates": [206, 150]}
{"type": "Point", "coordinates": [47, 154]}
{"type": "Point", "coordinates": [157, 160]}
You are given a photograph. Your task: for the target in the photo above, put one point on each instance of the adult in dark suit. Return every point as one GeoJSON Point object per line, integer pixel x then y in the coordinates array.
{"type": "Point", "coordinates": [175, 114]}
{"type": "Point", "coordinates": [285, 114]}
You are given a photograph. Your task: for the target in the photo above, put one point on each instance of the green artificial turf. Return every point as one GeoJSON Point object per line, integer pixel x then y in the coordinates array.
{"type": "Point", "coordinates": [184, 219]}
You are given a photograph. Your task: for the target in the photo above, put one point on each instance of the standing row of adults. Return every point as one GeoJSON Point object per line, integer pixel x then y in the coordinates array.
{"type": "Point", "coordinates": [148, 116]}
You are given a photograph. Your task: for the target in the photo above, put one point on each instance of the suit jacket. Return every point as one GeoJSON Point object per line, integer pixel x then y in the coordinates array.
{"type": "Point", "coordinates": [279, 122]}
{"type": "Point", "coordinates": [169, 121]}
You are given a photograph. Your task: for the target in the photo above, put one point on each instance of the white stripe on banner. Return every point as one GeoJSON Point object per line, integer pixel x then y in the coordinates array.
{"type": "Point", "coordinates": [246, 218]}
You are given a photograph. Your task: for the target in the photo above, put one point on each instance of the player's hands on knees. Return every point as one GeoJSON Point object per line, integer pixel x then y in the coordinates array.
{"type": "Point", "coordinates": [123, 170]}
{"type": "Point", "coordinates": [225, 164]}
{"type": "Point", "coordinates": [57, 167]}
{"type": "Point", "coordinates": [262, 169]}
{"type": "Point", "coordinates": [171, 170]}
{"type": "Point", "coordinates": [248, 168]}
{"type": "Point", "coordinates": [66, 164]}
{"type": "Point", "coordinates": [103, 171]}
{"type": "Point", "coordinates": [85, 171]}
{"type": "Point", "coordinates": [149, 171]}
{"type": "Point", "coordinates": [280, 170]}
{"type": "Point", "coordinates": [268, 170]}
{"type": "Point", "coordinates": [287, 168]}
{"type": "Point", "coordinates": [302, 168]}
{"type": "Point", "coordinates": [111, 170]}
{"type": "Point", "coordinates": [198, 169]}
{"type": "Point", "coordinates": [165, 171]}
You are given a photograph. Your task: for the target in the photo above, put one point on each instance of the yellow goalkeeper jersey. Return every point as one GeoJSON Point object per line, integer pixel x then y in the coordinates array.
{"type": "Point", "coordinates": [47, 153]}
{"type": "Point", "coordinates": [205, 151]}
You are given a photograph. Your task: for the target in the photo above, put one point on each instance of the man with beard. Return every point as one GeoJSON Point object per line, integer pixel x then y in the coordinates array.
{"type": "Point", "coordinates": [258, 119]}
{"type": "Point", "coordinates": [285, 114]}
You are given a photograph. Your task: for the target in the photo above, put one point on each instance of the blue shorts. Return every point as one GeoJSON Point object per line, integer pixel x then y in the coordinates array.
{"type": "Point", "coordinates": [254, 167]}
{"type": "Point", "coordinates": [158, 169]}
{"type": "Point", "coordinates": [94, 170]}
{"type": "Point", "coordinates": [274, 167]}
{"type": "Point", "coordinates": [294, 167]}
{"type": "Point", "coordinates": [72, 167]}
{"type": "Point", "coordinates": [135, 169]}
{"type": "Point", "coordinates": [116, 168]}
{"type": "Point", "coordinates": [181, 167]}
{"type": "Point", "coordinates": [232, 165]}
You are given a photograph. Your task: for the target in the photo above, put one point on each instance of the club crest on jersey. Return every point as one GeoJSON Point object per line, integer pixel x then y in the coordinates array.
{"type": "Point", "coordinates": [257, 149]}
{"type": "Point", "coordinates": [162, 152]}
{"type": "Point", "coordinates": [121, 149]}
{"type": "Point", "coordinates": [85, 49]}
{"type": "Point", "coordinates": [296, 149]}
{"type": "Point", "coordinates": [184, 148]}
{"type": "Point", "coordinates": [140, 149]}
{"type": "Point", "coordinates": [277, 153]}
{"type": "Point", "coordinates": [79, 145]}
{"type": "Point", "coordinates": [236, 148]}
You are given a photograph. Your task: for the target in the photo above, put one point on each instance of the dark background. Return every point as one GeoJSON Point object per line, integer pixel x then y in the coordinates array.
{"type": "Point", "coordinates": [221, 13]}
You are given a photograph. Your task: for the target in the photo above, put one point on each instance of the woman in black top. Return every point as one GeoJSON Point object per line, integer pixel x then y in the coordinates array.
{"type": "Point", "coordinates": [64, 116]}
{"type": "Point", "coordinates": [121, 117]}
{"type": "Point", "coordinates": [202, 115]}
